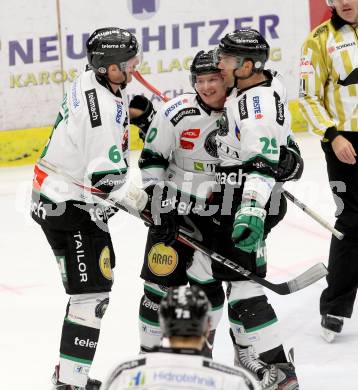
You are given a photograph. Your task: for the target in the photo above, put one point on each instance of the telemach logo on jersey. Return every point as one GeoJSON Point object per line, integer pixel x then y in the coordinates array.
{"type": "Point", "coordinates": [162, 260]}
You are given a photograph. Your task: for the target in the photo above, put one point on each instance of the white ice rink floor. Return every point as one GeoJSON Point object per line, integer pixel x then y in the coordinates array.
{"type": "Point", "coordinates": [32, 301]}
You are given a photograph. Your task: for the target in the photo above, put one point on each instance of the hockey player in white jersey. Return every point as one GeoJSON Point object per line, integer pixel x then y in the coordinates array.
{"type": "Point", "coordinates": [180, 149]}
{"type": "Point", "coordinates": [183, 153]}
{"type": "Point", "coordinates": [249, 150]}
{"type": "Point", "coordinates": [184, 315]}
{"type": "Point", "coordinates": [89, 141]}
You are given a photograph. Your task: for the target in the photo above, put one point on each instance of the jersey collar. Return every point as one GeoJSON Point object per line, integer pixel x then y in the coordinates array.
{"type": "Point", "coordinates": [204, 106]}
{"type": "Point", "coordinates": [180, 351]}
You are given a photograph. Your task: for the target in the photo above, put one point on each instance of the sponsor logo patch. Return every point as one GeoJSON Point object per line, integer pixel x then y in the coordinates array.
{"type": "Point", "coordinates": [280, 114]}
{"type": "Point", "coordinates": [190, 133]}
{"type": "Point", "coordinates": [138, 379]}
{"type": "Point", "coordinates": [175, 105]}
{"type": "Point", "coordinates": [162, 260]}
{"type": "Point", "coordinates": [183, 113]}
{"type": "Point", "coordinates": [119, 111]}
{"type": "Point", "coordinates": [186, 144]}
{"type": "Point", "coordinates": [105, 263]}
{"type": "Point", "coordinates": [243, 108]}
{"type": "Point", "coordinates": [210, 144]}
{"type": "Point", "coordinates": [93, 108]}
{"type": "Point", "coordinates": [257, 107]}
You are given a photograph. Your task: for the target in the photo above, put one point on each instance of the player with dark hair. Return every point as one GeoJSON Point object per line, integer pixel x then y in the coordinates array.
{"type": "Point", "coordinates": [254, 147]}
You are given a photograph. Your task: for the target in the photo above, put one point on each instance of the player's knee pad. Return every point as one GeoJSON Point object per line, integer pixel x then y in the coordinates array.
{"type": "Point", "coordinates": [252, 312]}
{"type": "Point", "coordinates": [254, 322]}
{"type": "Point", "coordinates": [86, 261]}
{"type": "Point", "coordinates": [87, 309]}
{"type": "Point", "coordinates": [149, 329]}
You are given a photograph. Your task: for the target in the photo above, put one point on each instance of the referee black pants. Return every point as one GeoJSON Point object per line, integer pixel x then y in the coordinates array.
{"type": "Point", "coordinates": [338, 298]}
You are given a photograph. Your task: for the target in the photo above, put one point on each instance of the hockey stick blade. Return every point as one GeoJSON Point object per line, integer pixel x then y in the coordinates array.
{"type": "Point", "coordinates": [303, 280]}
{"type": "Point", "coordinates": [312, 275]}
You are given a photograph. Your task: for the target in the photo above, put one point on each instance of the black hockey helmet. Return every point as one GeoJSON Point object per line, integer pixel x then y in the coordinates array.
{"type": "Point", "coordinates": [184, 311]}
{"type": "Point", "coordinates": [245, 45]}
{"type": "Point", "coordinates": [110, 45]}
{"type": "Point", "coordinates": [203, 63]}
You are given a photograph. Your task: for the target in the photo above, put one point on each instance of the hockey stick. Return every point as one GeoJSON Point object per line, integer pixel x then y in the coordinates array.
{"type": "Point", "coordinates": [303, 280]}
{"type": "Point", "coordinates": [288, 195]}
{"type": "Point", "coordinates": [149, 86]}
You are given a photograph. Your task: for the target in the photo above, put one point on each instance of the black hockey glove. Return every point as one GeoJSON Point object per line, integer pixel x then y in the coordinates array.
{"type": "Point", "coordinates": [164, 213]}
{"type": "Point", "coordinates": [290, 166]}
{"type": "Point", "coordinates": [143, 121]}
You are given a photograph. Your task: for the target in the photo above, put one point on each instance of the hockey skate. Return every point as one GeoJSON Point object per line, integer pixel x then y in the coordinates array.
{"type": "Point", "coordinates": [92, 384]}
{"type": "Point", "coordinates": [331, 326]}
{"type": "Point", "coordinates": [246, 358]}
{"type": "Point", "coordinates": [281, 376]}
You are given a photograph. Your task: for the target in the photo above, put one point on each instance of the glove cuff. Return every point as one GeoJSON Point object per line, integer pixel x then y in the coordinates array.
{"type": "Point", "coordinates": [252, 212]}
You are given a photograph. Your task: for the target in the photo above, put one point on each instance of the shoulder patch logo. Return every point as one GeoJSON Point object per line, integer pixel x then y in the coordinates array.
{"type": "Point", "coordinates": [257, 107]}
{"type": "Point", "coordinates": [210, 144]}
{"type": "Point", "coordinates": [320, 30]}
{"type": "Point", "coordinates": [243, 108]}
{"type": "Point", "coordinates": [93, 108]}
{"type": "Point", "coordinates": [183, 113]}
{"type": "Point", "coordinates": [280, 113]}
{"type": "Point", "coordinates": [223, 124]}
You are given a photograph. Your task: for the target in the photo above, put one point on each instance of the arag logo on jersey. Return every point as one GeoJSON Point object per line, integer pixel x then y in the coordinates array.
{"type": "Point", "coordinates": [143, 9]}
{"type": "Point", "coordinates": [162, 260]}
{"type": "Point", "coordinates": [105, 263]}
{"type": "Point", "coordinates": [257, 107]}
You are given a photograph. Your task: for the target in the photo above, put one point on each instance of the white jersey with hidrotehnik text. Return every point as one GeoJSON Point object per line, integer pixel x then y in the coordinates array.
{"type": "Point", "coordinates": [89, 140]}
{"type": "Point", "coordinates": [258, 124]}
{"type": "Point", "coordinates": [184, 369]}
{"type": "Point", "coordinates": [180, 146]}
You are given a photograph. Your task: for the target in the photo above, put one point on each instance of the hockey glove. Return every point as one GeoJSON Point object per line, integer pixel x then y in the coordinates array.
{"type": "Point", "coordinates": [164, 213]}
{"type": "Point", "coordinates": [248, 227]}
{"type": "Point", "coordinates": [146, 110]}
{"type": "Point", "coordinates": [290, 166]}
